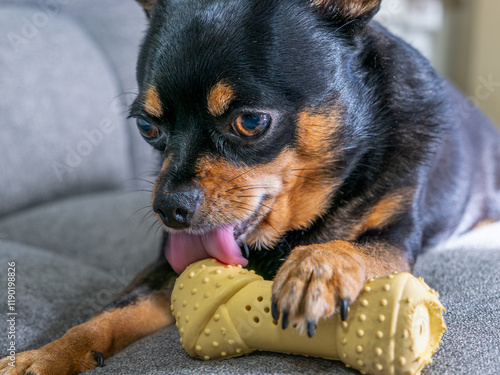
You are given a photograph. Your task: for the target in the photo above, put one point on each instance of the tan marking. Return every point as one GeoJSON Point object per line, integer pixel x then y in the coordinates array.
{"type": "Point", "coordinates": [148, 6]}
{"type": "Point", "coordinates": [166, 163]}
{"type": "Point", "coordinates": [219, 98]}
{"type": "Point", "coordinates": [316, 131]}
{"type": "Point", "coordinates": [484, 223]}
{"type": "Point", "coordinates": [387, 209]}
{"type": "Point", "coordinates": [130, 323]}
{"type": "Point", "coordinates": [232, 194]}
{"type": "Point", "coordinates": [314, 279]}
{"type": "Point", "coordinates": [308, 184]}
{"type": "Point", "coordinates": [152, 102]}
{"type": "Point", "coordinates": [107, 333]}
{"type": "Point", "coordinates": [350, 8]}
{"type": "Point", "coordinates": [298, 182]}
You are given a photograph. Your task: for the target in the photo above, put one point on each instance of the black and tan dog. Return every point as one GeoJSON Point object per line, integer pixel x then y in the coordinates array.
{"type": "Point", "coordinates": [304, 133]}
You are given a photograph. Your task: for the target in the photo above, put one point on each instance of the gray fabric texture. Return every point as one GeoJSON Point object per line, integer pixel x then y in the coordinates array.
{"type": "Point", "coordinates": [73, 65]}
{"type": "Point", "coordinates": [127, 231]}
{"type": "Point", "coordinates": [82, 252]}
{"type": "Point", "coordinates": [53, 136]}
{"type": "Point", "coordinates": [118, 28]}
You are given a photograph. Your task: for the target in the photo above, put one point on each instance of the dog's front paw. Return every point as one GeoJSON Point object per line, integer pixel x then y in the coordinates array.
{"type": "Point", "coordinates": [315, 281]}
{"type": "Point", "coordinates": [50, 360]}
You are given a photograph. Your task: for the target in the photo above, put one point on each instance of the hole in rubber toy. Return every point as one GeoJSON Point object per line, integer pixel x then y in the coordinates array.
{"type": "Point", "coordinates": [420, 328]}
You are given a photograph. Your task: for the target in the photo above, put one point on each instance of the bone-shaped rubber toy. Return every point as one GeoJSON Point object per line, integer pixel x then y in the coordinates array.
{"type": "Point", "coordinates": [393, 327]}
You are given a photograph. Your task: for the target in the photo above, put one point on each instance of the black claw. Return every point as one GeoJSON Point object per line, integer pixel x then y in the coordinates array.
{"type": "Point", "coordinates": [274, 310]}
{"type": "Point", "coordinates": [344, 309]}
{"type": "Point", "coordinates": [30, 373]}
{"type": "Point", "coordinates": [311, 328]}
{"type": "Point", "coordinates": [284, 322]}
{"type": "Point", "coordinates": [99, 358]}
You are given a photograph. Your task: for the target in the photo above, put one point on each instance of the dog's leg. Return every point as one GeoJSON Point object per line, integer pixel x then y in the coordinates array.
{"type": "Point", "coordinates": [143, 308]}
{"type": "Point", "coordinates": [316, 280]}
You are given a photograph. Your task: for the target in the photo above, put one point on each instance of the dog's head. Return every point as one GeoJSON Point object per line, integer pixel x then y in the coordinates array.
{"type": "Point", "coordinates": [248, 102]}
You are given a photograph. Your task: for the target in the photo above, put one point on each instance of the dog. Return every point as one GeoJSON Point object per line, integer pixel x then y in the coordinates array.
{"type": "Point", "coordinates": [300, 139]}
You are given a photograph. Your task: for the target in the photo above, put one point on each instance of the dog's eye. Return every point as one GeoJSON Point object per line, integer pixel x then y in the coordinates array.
{"type": "Point", "coordinates": [251, 124]}
{"type": "Point", "coordinates": [147, 129]}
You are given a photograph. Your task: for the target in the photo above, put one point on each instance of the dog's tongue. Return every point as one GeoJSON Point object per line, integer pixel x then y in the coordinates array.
{"type": "Point", "coordinates": [182, 249]}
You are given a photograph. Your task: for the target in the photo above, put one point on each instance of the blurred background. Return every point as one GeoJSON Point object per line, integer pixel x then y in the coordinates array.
{"type": "Point", "coordinates": [459, 37]}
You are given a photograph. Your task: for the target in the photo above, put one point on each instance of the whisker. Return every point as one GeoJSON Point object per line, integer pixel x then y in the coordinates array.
{"type": "Point", "coordinates": [281, 237]}
{"type": "Point", "coordinates": [144, 180]}
{"type": "Point", "coordinates": [248, 187]}
{"type": "Point", "coordinates": [244, 208]}
{"type": "Point", "coordinates": [140, 209]}
{"type": "Point", "coordinates": [152, 171]}
{"type": "Point", "coordinates": [311, 179]}
{"type": "Point", "coordinates": [345, 24]}
{"type": "Point", "coordinates": [155, 223]}
{"type": "Point", "coordinates": [263, 214]}
{"type": "Point", "coordinates": [146, 217]}
{"type": "Point", "coordinates": [127, 92]}
{"type": "Point", "coordinates": [311, 169]}
{"type": "Point", "coordinates": [256, 187]}
{"type": "Point", "coordinates": [250, 170]}
{"type": "Point", "coordinates": [367, 166]}
{"type": "Point", "coordinates": [157, 229]}
{"type": "Point", "coordinates": [273, 210]}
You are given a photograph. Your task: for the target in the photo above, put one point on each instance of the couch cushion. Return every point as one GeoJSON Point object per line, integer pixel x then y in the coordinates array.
{"type": "Point", "coordinates": [60, 134]}
{"type": "Point", "coordinates": [107, 231]}
{"type": "Point", "coordinates": [117, 28]}
{"type": "Point", "coordinates": [63, 293]}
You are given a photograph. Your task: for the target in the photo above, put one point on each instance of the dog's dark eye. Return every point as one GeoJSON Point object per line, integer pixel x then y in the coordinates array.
{"type": "Point", "coordinates": [147, 129]}
{"type": "Point", "coordinates": [251, 124]}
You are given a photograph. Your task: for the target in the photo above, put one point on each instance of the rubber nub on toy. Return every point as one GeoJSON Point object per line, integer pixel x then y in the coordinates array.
{"type": "Point", "coordinates": [393, 327]}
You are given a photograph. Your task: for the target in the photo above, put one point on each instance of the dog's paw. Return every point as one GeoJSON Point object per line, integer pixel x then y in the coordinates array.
{"type": "Point", "coordinates": [50, 361]}
{"type": "Point", "coordinates": [315, 281]}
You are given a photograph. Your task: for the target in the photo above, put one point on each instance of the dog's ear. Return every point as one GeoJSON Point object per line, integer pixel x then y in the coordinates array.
{"type": "Point", "coordinates": [148, 6]}
{"type": "Point", "coordinates": [355, 12]}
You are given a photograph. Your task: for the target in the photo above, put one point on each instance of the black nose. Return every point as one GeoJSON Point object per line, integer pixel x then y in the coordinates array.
{"type": "Point", "coordinates": [176, 209]}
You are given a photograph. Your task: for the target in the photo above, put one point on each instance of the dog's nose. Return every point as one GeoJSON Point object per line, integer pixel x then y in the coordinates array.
{"type": "Point", "coordinates": [176, 209]}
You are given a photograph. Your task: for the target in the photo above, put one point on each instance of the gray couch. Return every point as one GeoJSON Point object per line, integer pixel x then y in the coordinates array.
{"type": "Point", "coordinates": [74, 200]}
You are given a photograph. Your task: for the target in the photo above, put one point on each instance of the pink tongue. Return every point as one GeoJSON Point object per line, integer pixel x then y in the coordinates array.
{"type": "Point", "coordinates": [182, 249]}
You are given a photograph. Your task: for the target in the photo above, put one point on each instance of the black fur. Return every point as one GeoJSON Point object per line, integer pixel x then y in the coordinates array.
{"type": "Point", "coordinates": [400, 124]}
{"type": "Point", "coordinates": [400, 128]}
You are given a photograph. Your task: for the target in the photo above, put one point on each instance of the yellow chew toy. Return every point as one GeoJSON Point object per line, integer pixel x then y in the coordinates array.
{"type": "Point", "coordinates": [393, 327]}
